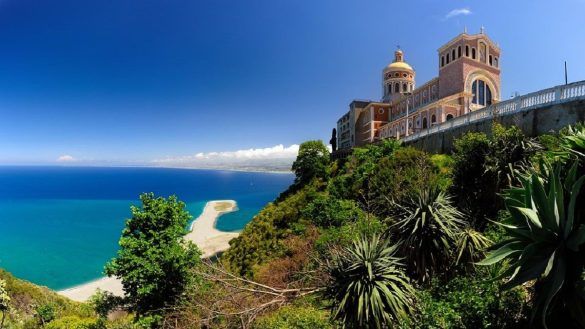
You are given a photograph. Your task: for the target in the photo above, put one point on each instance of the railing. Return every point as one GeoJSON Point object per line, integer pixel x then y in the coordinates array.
{"type": "Point", "coordinates": [555, 95]}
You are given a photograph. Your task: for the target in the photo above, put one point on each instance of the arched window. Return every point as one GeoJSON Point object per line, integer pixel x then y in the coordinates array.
{"type": "Point", "coordinates": [424, 123]}
{"type": "Point", "coordinates": [404, 87]}
{"type": "Point", "coordinates": [389, 87]}
{"type": "Point", "coordinates": [466, 51]}
{"type": "Point", "coordinates": [433, 119]}
{"type": "Point", "coordinates": [447, 58]}
{"type": "Point", "coordinates": [472, 53]}
{"type": "Point", "coordinates": [491, 61]}
{"type": "Point", "coordinates": [442, 61]}
{"type": "Point", "coordinates": [482, 94]}
{"type": "Point", "coordinates": [397, 88]}
{"type": "Point", "coordinates": [458, 51]}
{"type": "Point", "coordinates": [449, 117]}
{"type": "Point", "coordinates": [495, 61]}
{"type": "Point", "coordinates": [453, 53]}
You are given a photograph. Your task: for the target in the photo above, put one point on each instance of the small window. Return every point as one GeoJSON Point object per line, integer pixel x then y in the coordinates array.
{"type": "Point", "coordinates": [453, 54]}
{"type": "Point", "coordinates": [449, 117]}
{"type": "Point", "coordinates": [397, 88]}
{"type": "Point", "coordinates": [491, 61]}
{"type": "Point", "coordinates": [495, 62]}
{"type": "Point", "coordinates": [459, 51]}
{"type": "Point", "coordinates": [442, 61]}
{"type": "Point", "coordinates": [447, 58]}
{"type": "Point", "coordinates": [473, 53]}
{"type": "Point", "coordinates": [404, 75]}
{"type": "Point", "coordinates": [424, 123]}
{"type": "Point", "coordinates": [396, 75]}
{"type": "Point", "coordinates": [404, 87]}
{"type": "Point", "coordinates": [433, 119]}
{"type": "Point", "coordinates": [466, 51]}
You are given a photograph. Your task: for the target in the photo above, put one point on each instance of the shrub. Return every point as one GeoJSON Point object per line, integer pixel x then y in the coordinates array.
{"type": "Point", "coordinates": [368, 288]}
{"type": "Point", "coordinates": [262, 238]}
{"type": "Point", "coordinates": [398, 177]}
{"type": "Point", "coordinates": [103, 302]}
{"type": "Point", "coordinates": [73, 322]}
{"type": "Point", "coordinates": [325, 211]}
{"type": "Point", "coordinates": [344, 236]}
{"type": "Point", "coordinates": [484, 166]}
{"type": "Point", "coordinates": [45, 313]}
{"type": "Point", "coordinates": [294, 317]}
{"type": "Point", "coordinates": [470, 303]}
{"type": "Point", "coordinates": [4, 302]}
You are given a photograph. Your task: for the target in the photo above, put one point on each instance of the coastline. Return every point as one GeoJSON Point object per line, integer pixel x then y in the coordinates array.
{"type": "Point", "coordinates": [248, 170]}
{"type": "Point", "coordinates": [203, 233]}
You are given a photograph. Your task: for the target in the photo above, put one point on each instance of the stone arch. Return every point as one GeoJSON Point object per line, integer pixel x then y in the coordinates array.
{"type": "Point", "coordinates": [483, 75]}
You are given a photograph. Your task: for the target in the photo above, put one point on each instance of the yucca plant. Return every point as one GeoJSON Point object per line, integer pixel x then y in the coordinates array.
{"type": "Point", "coordinates": [471, 245]}
{"type": "Point", "coordinates": [547, 242]}
{"type": "Point", "coordinates": [428, 227]}
{"type": "Point", "coordinates": [368, 287]}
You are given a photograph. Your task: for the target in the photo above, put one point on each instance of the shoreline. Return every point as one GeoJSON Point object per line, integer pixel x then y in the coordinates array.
{"type": "Point", "coordinates": [245, 170]}
{"type": "Point", "coordinates": [202, 232]}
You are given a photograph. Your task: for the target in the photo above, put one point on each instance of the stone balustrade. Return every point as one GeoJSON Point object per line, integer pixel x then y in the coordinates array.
{"type": "Point", "coordinates": [556, 95]}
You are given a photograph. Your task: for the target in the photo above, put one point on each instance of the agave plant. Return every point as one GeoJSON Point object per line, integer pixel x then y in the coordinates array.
{"type": "Point", "coordinates": [546, 240]}
{"type": "Point", "coordinates": [368, 287]}
{"type": "Point", "coordinates": [573, 140]}
{"type": "Point", "coordinates": [428, 227]}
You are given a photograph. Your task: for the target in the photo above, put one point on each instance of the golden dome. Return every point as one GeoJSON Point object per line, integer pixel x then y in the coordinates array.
{"type": "Point", "coordinates": [399, 66]}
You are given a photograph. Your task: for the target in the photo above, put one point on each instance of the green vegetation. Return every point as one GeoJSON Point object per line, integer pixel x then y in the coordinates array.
{"type": "Point", "coordinates": [295, 317]}
{"type": "Point", "coordinates": [390, 237]}
{"type": "Point", "coordinates": [154, 261]}
{"type": "Point", "coordinates": [428, 228]}
{"type": "Point", "coordinates": [4, 302]}
{"type": "Point", "coordinates": [368, 286]}
{"type": "Point", "coordinates": [26, 305]}
{"type": "Point", "coordinates": [312, 162]}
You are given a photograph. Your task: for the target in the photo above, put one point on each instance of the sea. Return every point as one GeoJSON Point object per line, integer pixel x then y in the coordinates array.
{"type": "Point", "coordinates": [60, 225]}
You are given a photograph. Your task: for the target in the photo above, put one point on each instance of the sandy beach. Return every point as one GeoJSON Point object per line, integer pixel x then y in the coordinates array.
{"type": "Point", "coordinates": [203, 233]}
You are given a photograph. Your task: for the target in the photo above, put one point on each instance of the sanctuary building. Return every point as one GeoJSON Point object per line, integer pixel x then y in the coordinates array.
{"type": "Point", "coordinates": [469, 79]}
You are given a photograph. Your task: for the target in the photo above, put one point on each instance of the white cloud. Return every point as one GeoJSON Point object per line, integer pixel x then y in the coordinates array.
{"type": "Point", "coordinates": [66, 158]}
{"type": "Point", "coordinates": [277, 157]}
{"type": "Point", "coordinates": [458, 12]}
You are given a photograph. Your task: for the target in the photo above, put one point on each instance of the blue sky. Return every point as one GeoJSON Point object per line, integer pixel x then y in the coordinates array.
{"type": "Point", "coordinates": [120, 81]}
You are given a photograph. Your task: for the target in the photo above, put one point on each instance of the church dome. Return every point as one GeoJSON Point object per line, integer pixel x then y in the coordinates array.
{"type": "Point", "coordinates": [399, 64]}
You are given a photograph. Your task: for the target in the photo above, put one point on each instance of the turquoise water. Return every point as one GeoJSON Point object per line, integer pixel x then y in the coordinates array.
{"type": "Point", "coordinates": [59, 226]}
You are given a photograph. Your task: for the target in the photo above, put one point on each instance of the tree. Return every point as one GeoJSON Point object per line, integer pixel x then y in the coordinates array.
{"type": "Point", "coordinates": [154, 262]}
{"type": "Point", "coordinates": [4, 301]}
{"type": "Point", "coordinates": [428, 227]}
{"type": "Point", "coordinates": [546, 242]}
{"type": "Point", "coordinates": [368, 288]}
{"type": "Point", "coordinates": [333, 140]}
{"type": "Point", "coordinates": [312, 162]}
